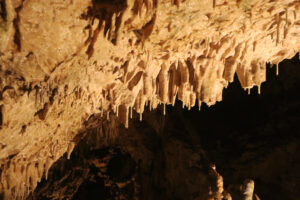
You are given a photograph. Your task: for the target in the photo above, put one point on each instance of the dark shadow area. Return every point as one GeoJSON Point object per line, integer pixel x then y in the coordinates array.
{"type": "Point", "coordinates": [256, 136]}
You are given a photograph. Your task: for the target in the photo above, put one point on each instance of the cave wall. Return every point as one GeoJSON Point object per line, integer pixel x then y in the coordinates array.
{"type": "Point", "coordinates": [62, 61]}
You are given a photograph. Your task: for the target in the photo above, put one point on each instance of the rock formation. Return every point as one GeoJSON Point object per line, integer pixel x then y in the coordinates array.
{"type": "Point", "coordinates": [62, 62]}
{"type": "Point", "coordinates": [173, 157]}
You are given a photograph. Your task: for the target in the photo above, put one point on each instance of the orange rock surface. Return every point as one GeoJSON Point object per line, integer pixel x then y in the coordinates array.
{"type": "Point", "coordinates": [63, 61]}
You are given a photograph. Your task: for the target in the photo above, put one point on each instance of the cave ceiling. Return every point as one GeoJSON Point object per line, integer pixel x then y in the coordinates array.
{"type": "Point", "coordinates": [63, 62]}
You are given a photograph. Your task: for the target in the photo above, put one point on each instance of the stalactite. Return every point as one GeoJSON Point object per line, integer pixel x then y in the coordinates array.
{"type": "Point", "coordinates": [107, 115]}
{"type": "Point", "coordinates": [133, 54]}
{"type": "Point", "coordinates": [70, 149]}
{"type": "Point", "coordinates": [278, 29]}
{"type": "Point", "coordinates": [131, 111]}
{"type": "Point", "coordinates": [126, 117]}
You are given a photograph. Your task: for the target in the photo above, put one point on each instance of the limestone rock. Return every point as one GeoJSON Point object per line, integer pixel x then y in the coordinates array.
{"type": "Point", "coordinates": [63, 61]}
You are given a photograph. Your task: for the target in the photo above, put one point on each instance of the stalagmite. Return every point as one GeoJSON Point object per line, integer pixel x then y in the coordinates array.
{"type": "Point", "coordinates": [248, 189]}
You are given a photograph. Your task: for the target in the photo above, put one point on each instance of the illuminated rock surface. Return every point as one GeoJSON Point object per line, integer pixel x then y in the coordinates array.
{"type": "Point", "coordinates": [169, 157]}
{"type": "Point", "coordinates": [63, 61]}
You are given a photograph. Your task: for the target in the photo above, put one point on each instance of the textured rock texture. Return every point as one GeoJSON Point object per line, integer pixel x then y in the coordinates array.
{"type": "Point", "coordinates": [62, 61]}
{"type": "Point", "coordinates": [173, 156]}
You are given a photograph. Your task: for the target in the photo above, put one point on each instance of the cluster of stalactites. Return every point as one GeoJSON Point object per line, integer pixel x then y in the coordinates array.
{"type": "Point", "coordinates": [192, 81]}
